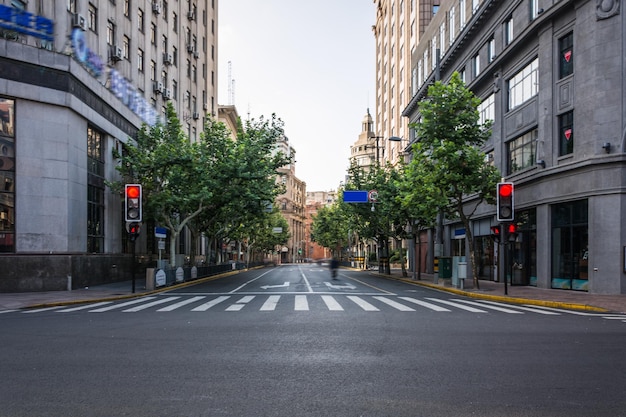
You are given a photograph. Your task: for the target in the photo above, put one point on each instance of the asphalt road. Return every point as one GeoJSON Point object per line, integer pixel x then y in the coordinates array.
{"type": "Point", "coordinates": [290, 341]}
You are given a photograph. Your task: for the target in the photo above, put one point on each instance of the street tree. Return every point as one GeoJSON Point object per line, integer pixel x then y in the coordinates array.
{"type": "Point", "coordinates": [450, 141]}
{"type": "Point", "coordinates": [331, 227]}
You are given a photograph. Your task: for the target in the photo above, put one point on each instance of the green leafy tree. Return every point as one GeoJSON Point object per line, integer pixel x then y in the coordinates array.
{"type": "Point", "coordinates": [453, 168]}
{"type": "Point", "coordinates": [330, 228]}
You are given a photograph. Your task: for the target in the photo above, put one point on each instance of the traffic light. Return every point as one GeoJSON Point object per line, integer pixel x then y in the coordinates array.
{"type": "Point", "coordinates": [511, 232]}
{"type": "Point", "coordinates": [505, 207]}
{"type": "Point", "coordinates": [495, 233]}
{"type": "Point", "coordinates": [133, 231]}
{"type": "Point", "coordinates": [132, 206]}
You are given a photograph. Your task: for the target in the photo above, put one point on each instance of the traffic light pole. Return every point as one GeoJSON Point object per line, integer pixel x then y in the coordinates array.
{"type": "Point", "coordinates": [132, 267]}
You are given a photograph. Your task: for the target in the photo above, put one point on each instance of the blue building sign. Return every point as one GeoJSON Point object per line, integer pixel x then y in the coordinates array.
{"type": "Point", "coordinates": [26, 23]}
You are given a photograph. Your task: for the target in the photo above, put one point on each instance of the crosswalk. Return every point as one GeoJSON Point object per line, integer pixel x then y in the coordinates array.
{"type": "Point", "coordinates": [308, 302]}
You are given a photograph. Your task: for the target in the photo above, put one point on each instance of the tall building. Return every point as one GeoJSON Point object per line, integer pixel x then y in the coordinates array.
{"type": "Point", "coordinates": [397, 31]}
{"type": "Point", "coordinates": [551, 77]}
{"type": "Point", "coordinates": [77, 81]}
{"type": "Point", "coordinates": [366, 151]}
{"type": "Point", "coordinates": [292, 206]}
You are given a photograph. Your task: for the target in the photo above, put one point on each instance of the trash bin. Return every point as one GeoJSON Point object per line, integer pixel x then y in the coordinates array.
{"type": "Point", "coordinates": [445, 267]}
{"type": "Point", "coordinates": [462, 274]}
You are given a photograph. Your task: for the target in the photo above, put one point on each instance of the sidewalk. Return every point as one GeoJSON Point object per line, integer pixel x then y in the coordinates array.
{"type": "Point", "coordinates": [488, 290]}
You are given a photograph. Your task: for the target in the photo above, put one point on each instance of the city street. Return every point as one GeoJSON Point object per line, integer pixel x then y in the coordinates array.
{"type": "Point", "coordinates": [290, 341]}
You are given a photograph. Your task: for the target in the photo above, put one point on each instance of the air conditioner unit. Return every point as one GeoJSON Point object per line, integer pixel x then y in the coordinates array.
{"type": "Point", "coordinates": [167, 93]}
{"type": "Point", "coordinates": [190, 48]}
{"type": "Point", "coordinates": [191, 15]}
{"type": "Point", "coordinates": [79, 21]}
{"type": "Point", "coordinates": [196, 115]}
{"type": "Point", "coordinates": [116, 53]}
{"type": "Point", "coordinates": [156, 8]}
{"type": "Point", "coordinates": [157, 87]}
{"type": "Point", "coordinates": [205, 106]}
{"type": "Point", "coordinates": [168, 59]}
{"type": "Point", "coordinates": [196, 54]}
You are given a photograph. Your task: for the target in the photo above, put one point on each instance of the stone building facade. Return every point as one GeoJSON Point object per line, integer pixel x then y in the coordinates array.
{"type": "Point", "coordinates": [551, 77]}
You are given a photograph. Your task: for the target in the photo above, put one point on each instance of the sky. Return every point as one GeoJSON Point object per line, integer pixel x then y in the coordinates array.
{"type": "Point", "coordinates": [310, 63]}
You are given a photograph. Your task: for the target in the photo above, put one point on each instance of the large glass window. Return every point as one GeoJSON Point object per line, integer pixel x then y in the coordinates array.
{"type": "Point", "coordinates": [566, 133]}
{"type": "Point", "coordinates": [524, 85]}
{"type": "Point", "coordinates": [7, 175]}
{"type": "Point", "coordinates": [487, 109]}
{"type": "Point", "coordinates": [521, 152]}
{"type": "Point", "coordinates": [570, 238]}
{"type": "Point", "coordinates": [566, 58]}
{"type": "Point", "coordinates": [95, 191]}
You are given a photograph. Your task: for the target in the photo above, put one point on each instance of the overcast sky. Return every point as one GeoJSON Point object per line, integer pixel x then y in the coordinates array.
{"type": "Point", "coordinates": [310, 63]}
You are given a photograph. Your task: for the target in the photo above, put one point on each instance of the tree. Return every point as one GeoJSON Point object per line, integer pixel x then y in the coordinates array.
{"type": "Point", "coordinates": [449, 145]}
{"type": "Point", "coordinates": [330, 228]}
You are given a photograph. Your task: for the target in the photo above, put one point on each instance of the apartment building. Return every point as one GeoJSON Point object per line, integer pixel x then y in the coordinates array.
{"type": "Point", "coordinates": [397, 29]}
{"type": "Point", "coordinates": [78, 78]}
{"type": "Point", "coordinates": [551, 77]}
{"type": "Point", "coordinates": [292, 204]}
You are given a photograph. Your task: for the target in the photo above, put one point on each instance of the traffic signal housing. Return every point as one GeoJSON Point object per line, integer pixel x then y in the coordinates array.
{"type": "Point", "coordinates": [505, 211]}
{"type": "Point", "coordinates": [132, 204]}
{"type": "Point", "coordinates": [133, 231]}
{"type": "Point", "coordinates": [511, 232]}
{"type": "Point", "coordinates": [495, 233]}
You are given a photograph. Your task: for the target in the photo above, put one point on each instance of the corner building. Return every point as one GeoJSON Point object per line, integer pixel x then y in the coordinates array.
{"type": "Point", "coordinates": [78, 79]}
{"type": "Point", "coordinates": [551, 76]}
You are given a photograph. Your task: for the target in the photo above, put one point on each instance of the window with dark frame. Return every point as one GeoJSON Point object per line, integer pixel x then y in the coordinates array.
{"type": "Point", "coordinates": [95, 191]}
{"type": "Point", "coordinates": [566, 55]}
{"type": "Point", "coordinates": [521, 152]}
{"type": "Point", "coordinates": [566, 133]}
{"type": "Point", "coordinates": [7, 175]}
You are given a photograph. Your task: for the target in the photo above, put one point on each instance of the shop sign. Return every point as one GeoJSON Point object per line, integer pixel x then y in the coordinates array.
{"type": "Point", "coordinates": [84, 55]}
{"type": "Point", "coordinates": [132, 98]}
{"type": "Point", "coordinates": [26, 23]}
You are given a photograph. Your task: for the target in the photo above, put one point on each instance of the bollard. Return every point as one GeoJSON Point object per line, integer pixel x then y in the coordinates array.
{"type": "Point", "coordinates": [69, 283]}
{"type": "Point", "coordinates": [149, 279]}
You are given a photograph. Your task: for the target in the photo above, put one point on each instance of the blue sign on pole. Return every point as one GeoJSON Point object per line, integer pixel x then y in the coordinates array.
{"type": "Point", "coordinates": [160, 232]}
{"type": "Point", "coordinates": [355, 196]}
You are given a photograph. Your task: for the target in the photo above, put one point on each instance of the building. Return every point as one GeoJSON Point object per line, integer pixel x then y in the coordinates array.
{"type": "Point", "coordinates": [551, 76]}
{"type": "Point", "coordinates": [366, 151]}
{"type": "Point", "coordinates": [314, 201]}
{"type": "Point", "coordinates": [292, 206]}
{"type": "Point", "coordinates": [77, 81]}
{"type": "Point", "coordinates": [397, 29]}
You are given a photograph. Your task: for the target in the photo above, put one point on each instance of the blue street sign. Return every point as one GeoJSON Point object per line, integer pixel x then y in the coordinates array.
{"type": "Point", "coordinates": [160, 232]}
{"type": "Point", "coordinates": [355, 196]}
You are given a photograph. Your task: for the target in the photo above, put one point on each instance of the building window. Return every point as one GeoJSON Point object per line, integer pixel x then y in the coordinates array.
{"type": "Point", "coordinates": [476, 64]}
{"type": "Point", "coordinates": [487, 109]}
{"type": "Point", "coordinates": [7, 175]}
{"type": "Point", "coordinates": [127, 8]}
{"type": "Point", "coordinates": [442, 37]}
{"type": "Point", "coordinates": [521, 152]}
{"type": "Point", "coordinates": [524, 85]}
{"type": "Point", "coordinates": [140, 58]}
{"type": "Point", "coordinates": [95, 191]}
{"type": "Point", "coordinates": [491, 50]}
{"type": "Point", "coordinates": [175, 55]}
{"type": "Point", "coordinates": [140, 20]}
{"type": "Point", "coordinates": [71, 6]}
{"type": "Point", "coordinates": [566, 133]}
{"type": "Point", "coordinates": [452, 25]}
{"type": "Point", "coordinates": [126, 46]}
{"type": "Point", "coordinates": [508, 31]}
{"type": "Point", "coordinates": [175, 22]}
{"type": "Point", "coordinates": [475, 5]}
{"type": "Point", "coordinates": [534, 9]}
{"type": "Point", "coordinates": [110, 33]}
{"type": "Point", "coordinates": [153, 69]}
{"type": "Point", "coordinates": [153, 33]}
{"type": "Point", "coordinates": [566, 59]}
{"type": "Point", "coordinates": [570, 239]}
{"type": "Point", "coordinates": [174, 89]}
{"type": "Point", "coordinates": [92, 18]}
{"type": "Point", "coordinates": [462, 10]}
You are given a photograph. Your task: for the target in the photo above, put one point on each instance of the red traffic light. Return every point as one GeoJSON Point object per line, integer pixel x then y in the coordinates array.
{"type": "Point", "coordinates": [133, 191]}
{"type": "Point", "coordinates": [505, 189]}
{"type": "Point", "coordinates": [512, 228]}
{"type": "Point", "coordinates": [495, 233]}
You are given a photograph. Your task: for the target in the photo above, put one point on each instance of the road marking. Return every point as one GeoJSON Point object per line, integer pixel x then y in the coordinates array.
{"type": "Point", "coordinates": [306, 281]}
{"type": "Point", "coordinates": [394, 304]}
{"type": "Point", "coordinates": [285, 284]}
{"type": "Point", "coordinates": [362, 303]}
{"type": "Point", "coordinates": [271, 303]}
{"type": "Point", "coordinates": [457, 305]}
{"type": "Point", "coordinates": [372, 286]}
{"type": "Point", "coordinates": [331, 303]}
{"type": "Point", "coordinates": [39, 310]}
{"type": "Point", "coordinates": [251, 281]}
{"type": "Point", "coordinates": [181, 303]}
{"type": "Point", "coordinates": [301, 303]}
{"type": "Point", "coordinates": [424, 304]}
{"type": "Point", "coordinates": [114, 306]}
{"type": "Point", "coordinates": [504, 310]}
{"type": "Point", "coordinates": [534, 310]}
{"type": "Point", "coordinates": [241, 303]}
{"type": "Point", "coordinates": [340, 287]}
{"type": "Point", "coordinates": [85, 307]}
{"type": "Point", "coordinates": [8, 311]}
{"type": "Point", "coordinates": [208, 305]}
{"type": "Point", "coordinates": [148, 305]}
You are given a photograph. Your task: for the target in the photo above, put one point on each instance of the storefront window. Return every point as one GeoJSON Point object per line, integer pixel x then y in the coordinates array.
{"type": "Point", "coordinates": [570, 240]}
{"type": "Point", "coordinates": [7, 175]}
